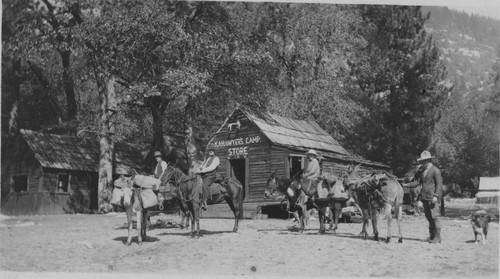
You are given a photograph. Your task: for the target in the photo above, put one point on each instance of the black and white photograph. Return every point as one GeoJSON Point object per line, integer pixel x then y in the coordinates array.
{"type": "Point", "coordinates": [258, 139]}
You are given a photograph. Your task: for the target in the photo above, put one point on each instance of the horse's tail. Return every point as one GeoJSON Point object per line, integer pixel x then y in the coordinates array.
{"type": "Point", "coordinates": [236, 193]}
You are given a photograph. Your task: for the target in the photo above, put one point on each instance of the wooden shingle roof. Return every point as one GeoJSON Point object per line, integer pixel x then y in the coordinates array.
{"type": "Point", "coordinates": [298, 135]}
{"type": "Point", "coordinates": [290, 132]}
{"type": "Point", "coordinates": [72, 153]}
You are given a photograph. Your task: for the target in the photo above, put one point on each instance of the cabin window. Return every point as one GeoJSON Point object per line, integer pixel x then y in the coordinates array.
{"type": "Point", "coordinates": [20, 183]}
{"type": "Point", "coordinates": [63, 183]}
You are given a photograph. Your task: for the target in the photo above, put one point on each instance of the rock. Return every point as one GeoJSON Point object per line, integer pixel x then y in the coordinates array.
{"type": "Point", "coordinates": [87, 244]}
{"type": "Point", "coordinates": [253, 268]}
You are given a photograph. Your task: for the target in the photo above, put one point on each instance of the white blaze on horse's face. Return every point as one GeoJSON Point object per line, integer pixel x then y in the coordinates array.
{"type": "Point", "coordinates": [127, 195]}
{"type": "Point", "coordinates": [290, 191]}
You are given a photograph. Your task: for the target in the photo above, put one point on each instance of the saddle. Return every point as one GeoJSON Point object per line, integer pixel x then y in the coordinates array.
{"type": "Point", "coordinates": [218, 187]}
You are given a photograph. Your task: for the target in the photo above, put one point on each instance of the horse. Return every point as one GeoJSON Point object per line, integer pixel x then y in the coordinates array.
{"type": "Point", "coordinates": [415, 173]}
{"type": "Point", "coordinates": [132, 202]}
{"type": "Point", "coordinates": [316, 195]}
{"type": "Point", "coordinates": [373, 193]}
{"type": "Point", "coordinates": [175, 194]}
{"type": "Point", "coordinates": [190, 192]}
{"type": "Point", "coordinates": [276, 184]}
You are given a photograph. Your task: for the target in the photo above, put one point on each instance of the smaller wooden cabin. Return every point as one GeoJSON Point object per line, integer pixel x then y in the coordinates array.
{"type": "Point", "coordinates": [252, 145]}
{"type": "Point", "coordinates": [54, 174]}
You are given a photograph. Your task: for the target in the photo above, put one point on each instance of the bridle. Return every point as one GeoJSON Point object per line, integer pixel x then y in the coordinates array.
{"type": "Point", "coordinates": [176, 182]}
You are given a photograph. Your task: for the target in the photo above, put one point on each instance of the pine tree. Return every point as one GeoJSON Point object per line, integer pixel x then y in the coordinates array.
{"type": "Point", "coordinates": [405, 78]}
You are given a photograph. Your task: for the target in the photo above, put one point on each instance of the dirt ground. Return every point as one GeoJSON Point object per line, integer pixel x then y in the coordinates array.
{"type": "Point", "coordinates": [94, 244]}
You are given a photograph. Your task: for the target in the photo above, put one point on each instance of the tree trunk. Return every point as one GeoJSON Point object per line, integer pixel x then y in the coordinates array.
{"type": "Point", "coordinates": [68, 83]}
{"type": "Point", "coordinates": [158, 105]}
{"type": "Point", "coordinates": [106, 87]}
{"type": "Point", "coordinates": [394, 125]}
{"type": "Point", "coordinates": [189, 138]}
{"type": "Point", "coordinates": [14, 111]}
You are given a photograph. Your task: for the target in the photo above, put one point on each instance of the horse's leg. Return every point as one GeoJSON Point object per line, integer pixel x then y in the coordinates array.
{"type": "Point", "coordinates": [321, 219]}
{"type": "Point", "coordinates": [373, 214]}
{"type": "Point", "coordinates": [366, 217]}
{"type": "Point", "coordinates": [236, 212]}
{"type": "Point", "coordinates": [130, 223]}
{"type": "Point", "coordinates": [145, 223]}
{"type": "Point", "coordinates": [388, 215]}
{"type": "Point", "coordinates": [399, 216]}
{"type": "Point", "coordinates": [195, 222]}
{"type": "Point", "coordinates": [194, 215]}
{"type": "Point", "coordinates": [139, 227]}
{"type": "Point", "coordinates": [331, 219]}
{"type": "Point", "coordinates": [337, 211]}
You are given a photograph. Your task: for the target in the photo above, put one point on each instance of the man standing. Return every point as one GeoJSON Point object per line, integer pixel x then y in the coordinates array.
{"type": "Point", "coordinates": [161, 167]}
{"type": "Point", "coordinates": [207, 171]}
{"type": "Point", "coordinates": [431, 194]}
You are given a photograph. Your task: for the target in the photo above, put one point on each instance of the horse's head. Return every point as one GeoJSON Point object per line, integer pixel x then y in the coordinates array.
{"type": "Point", "coordinates": [452, 189]}
{"type": "Point", "coordinates": [297, 179]}
{"type": "Point", "coordinates": [271, 185]}
{"type": "Point", "coordinates": [350, 178]}
{"type": "Point", "coordinates": [128, 193]}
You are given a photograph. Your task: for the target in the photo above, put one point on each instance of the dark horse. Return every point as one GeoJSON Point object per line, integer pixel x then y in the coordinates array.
{"type": "Point", "coordinates": [276, 184]}
{"type": "Point", "coordinates": [323, 194]}
{"type": "Point", "coordinates": [190, 193]}
{"type": "Point", "coordinates": [300, 201]}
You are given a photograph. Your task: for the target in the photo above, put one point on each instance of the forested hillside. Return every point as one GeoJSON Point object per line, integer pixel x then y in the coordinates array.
{"type": "Point", "coordinates": [468, 132]}
{"type": "Point", "coordinates": [385, 81]}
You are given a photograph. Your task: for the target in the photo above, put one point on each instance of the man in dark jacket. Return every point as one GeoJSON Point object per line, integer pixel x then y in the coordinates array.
{"type": "Point", "coordinates": [431, 194]}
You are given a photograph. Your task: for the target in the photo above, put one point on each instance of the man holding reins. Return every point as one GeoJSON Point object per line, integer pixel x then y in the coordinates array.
{"type": "Point", "coordinates": [431, 194]}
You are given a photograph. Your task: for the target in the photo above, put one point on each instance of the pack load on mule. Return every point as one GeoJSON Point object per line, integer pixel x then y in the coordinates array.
{"type": "Point", "coordinates": [144, 184]}
{"type": "Point", "coordinates": [373, 193]}
{"type": "Point", "coordinates": [136, 195]}
{"type": "Point", "coordinates": [310, 189]}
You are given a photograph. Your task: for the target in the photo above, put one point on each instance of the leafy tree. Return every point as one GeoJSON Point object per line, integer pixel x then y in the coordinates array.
{"type": "Point", "coordinates": [406, 80]}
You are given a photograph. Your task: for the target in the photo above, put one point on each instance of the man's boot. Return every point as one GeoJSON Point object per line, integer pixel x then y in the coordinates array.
{"type": "Point", "coordinates": [437, 236]}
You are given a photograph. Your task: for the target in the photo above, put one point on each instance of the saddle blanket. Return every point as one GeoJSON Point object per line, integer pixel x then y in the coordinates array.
{"type": "Point", "coordinates": [216, 189]}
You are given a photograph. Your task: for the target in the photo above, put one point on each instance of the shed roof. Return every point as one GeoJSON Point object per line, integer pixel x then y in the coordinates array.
{"type": "Point", "coordinates": [73, 153]}
{"type": "Point", "coordinates": [292, 132]}
{"type": "Point", "coordinates": [299, 135]}
{"type": "Point", "coordinates": [489, 183]}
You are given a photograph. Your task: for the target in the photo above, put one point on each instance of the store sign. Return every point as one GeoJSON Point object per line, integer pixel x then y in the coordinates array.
{"type": "Point", "coordinates": [238, 151]}
{"type": "Point", "coordinates": [236, 142]}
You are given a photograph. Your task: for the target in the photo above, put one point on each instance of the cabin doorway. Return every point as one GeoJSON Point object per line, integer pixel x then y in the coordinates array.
{"type": "Point", "coordinates": [295, 163]}
{"type": "Point", "coordinates": [238, 170]}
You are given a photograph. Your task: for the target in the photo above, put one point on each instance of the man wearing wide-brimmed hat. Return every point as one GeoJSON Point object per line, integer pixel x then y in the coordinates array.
{"type": "Point", "coordinates": [208, 174]}
{"type": "Point", "coordinates": [161, 167]}
{"type": "Point", "coordinates": [312, 172]}
{"type": "Point", "coordinates": [431, 194]}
